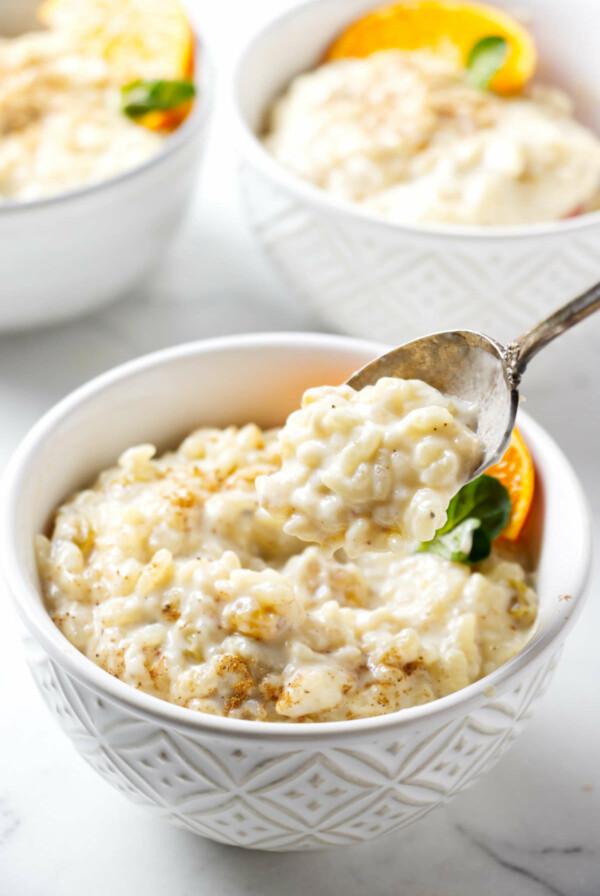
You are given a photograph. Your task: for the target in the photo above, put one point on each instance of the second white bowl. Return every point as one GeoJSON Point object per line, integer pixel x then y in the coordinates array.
{"type": "Point", "coordinates": [376, 279]}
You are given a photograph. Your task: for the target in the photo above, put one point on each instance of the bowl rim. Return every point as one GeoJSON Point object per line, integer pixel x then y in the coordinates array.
{"type": "Point", "coordinates": [251, 147]}
{"type": "Point", "coordinates": [204, 79]}
{"type": "Point", "coordinates": [148, 707]}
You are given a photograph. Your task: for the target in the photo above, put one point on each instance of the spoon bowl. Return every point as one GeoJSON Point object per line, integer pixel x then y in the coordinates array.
{"type": "Point", "coordinates": [462, 363]}
{"type": "Point", "coordinates": [475, 368]}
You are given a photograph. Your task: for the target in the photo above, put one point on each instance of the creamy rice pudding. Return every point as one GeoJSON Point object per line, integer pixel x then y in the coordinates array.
{"type": "Point", "coordinates": [403, 135]}
{"type": "Point", "coordinates": [168, 573]}
{"type": "Point", "coordinates": [371, 470]}
{"type": "Point", "coordinates": [61, 123]}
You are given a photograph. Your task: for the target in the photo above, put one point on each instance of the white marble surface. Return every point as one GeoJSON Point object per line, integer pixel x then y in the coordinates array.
{"type": "Point", "coordinates": [532, 827]}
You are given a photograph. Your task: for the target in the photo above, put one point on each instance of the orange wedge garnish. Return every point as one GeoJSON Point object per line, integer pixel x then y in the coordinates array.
{"type": "Point", "coordinates": [447, 27]}
{"type": "Point", "coordinates": [516, 473]}
{"type": "Point", "coordinates": [140, 39]}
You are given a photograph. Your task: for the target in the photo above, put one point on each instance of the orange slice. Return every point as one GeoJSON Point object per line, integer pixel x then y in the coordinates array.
{"type": "Point", "coordinates": [515, 471]}
{"type": "Point", "coordinates": [140, 39]}
{"type": "Point", "coordinates": [166, 120]}
{"type": "Point", "coordinates": [448, 27]}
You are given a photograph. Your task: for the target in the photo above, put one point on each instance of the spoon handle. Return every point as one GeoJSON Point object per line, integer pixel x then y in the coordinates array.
{"type": "Point", "coordinates": [520, 352]}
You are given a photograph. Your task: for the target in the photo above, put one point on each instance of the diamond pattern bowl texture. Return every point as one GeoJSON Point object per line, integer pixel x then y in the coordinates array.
{"type": "Point", "coordinates": [275, 795]}
{"type": "Point", "coordinates": [389, 283]}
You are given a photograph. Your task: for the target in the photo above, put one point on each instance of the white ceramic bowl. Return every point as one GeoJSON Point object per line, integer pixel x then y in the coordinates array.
{"type": "Point", "coordinates": [257, 784]}
{"type": "Point", "coordinates": [380, 280]}
{"type": "Point", "coordinates": [67, 254]}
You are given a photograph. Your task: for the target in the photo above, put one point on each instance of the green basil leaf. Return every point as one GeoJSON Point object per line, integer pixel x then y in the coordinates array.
{"type": "Point", "coordinates": [476, 515]}
{"type": "Point", "coordinates": [486, 58]}
{"type": "Point", "coordinates": [141, 97]}
{"type": "Point", "coordinates": [486, 499]}
{"type": "Point", "coordinates": [481, 546]}
{"type": "Point", "coordinates": [456, 544]}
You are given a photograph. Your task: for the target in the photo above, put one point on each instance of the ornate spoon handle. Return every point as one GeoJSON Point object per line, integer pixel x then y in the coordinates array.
{"type": "Point", "coordinates": [519, 353]}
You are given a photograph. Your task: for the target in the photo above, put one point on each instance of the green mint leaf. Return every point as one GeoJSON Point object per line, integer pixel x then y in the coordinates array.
{"type": "Point", "coordinates": [141, 97]}
{"type": "Point", "coordinates": [476, 515]}
{"type": "Point", "coordinates": [486, 58]}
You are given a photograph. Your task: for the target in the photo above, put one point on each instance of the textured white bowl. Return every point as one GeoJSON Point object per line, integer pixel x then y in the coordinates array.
{"type": "Point", "coordinates": [379, 280]}
{"type": "Point", "coordinates": [256, 784]}
{"type": "Point", "coordinates": [62, 256]}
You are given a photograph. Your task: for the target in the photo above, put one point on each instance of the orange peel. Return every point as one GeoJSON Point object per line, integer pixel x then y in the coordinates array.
{"type": "Point", "coordinates": [516, 472]}
{"type": "Point", "coordinates": [447, 27]}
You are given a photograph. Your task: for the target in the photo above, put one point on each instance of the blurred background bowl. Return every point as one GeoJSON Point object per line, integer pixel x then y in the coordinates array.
{"type": "Point", "coordinates": [64, 255]}
{"type": "Point", "coordinates": [269, 785]}
{"type": "Point", "coordinates": [368, 277]}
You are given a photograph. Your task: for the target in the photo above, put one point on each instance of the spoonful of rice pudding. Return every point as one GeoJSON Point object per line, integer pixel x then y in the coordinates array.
{"type": "Point", "coordinates": [478, 370]}
{"type": "Point", "coordinates": [372, 464]}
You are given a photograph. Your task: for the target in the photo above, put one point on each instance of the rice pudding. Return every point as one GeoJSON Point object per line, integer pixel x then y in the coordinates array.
{"type": "Point", "coordinates": [168, 573]}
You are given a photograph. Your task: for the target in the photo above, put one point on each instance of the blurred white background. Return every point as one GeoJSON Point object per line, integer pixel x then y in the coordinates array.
{"type": "Point", "coordinates": [530, 828]}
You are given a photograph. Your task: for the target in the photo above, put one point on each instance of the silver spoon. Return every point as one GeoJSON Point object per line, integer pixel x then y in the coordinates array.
{"type": "Point", "coordinates": [474, 367]}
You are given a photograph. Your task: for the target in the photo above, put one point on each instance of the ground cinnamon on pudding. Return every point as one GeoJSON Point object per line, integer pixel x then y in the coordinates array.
{"type": "Point", "coordinates": [169, 574]}
{"type": "Point", "coordinates": [403, 135]}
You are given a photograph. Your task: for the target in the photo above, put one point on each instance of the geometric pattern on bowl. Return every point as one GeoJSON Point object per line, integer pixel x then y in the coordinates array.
{"type": "Point", "coordinates": [279, 795]}
{"type": "Point", "coordinates": [393, 285]}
